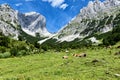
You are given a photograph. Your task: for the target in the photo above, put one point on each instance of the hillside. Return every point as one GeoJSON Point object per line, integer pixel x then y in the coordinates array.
{"type": "Point", "coordinates": [94, 23]}
{"type": "Point", "coordinates": [97, 18]}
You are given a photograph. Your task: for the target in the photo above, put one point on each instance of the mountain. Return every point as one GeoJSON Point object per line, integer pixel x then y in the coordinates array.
{"type": "Point", "coordinates": [28, 25]}
{"type": "Point", "coordinates": [8, 21]}
{"type": "Point", "coordinates": [97, 18]}
{"type": "Point", "coordinates": [95, 24]}
{"type": "Point", "coordinates": [33, 23]}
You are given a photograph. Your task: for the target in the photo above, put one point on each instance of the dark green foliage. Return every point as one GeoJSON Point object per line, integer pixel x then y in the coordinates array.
{"type": "Point", "coordinates": [116, 20]}
{"type": "Point", "coordinates": [20, 38]}
{"type": "Point", "coordinates": [113, 37]}
{"type": "Point", "coordinates": [14, 51]}
{"type": "Point", "coordinates": [26, 37]}
{"type": "Point", "coordinates": [2, 49]}
{"type": "Point", "coordinates": [45, 47]}
{"type": "Point", "coordinates": [37, 45]}
{"type": "Point", "coordinates": [10, 47]}
{"type": "Point", "coordinates": [58, 46]}
{"type": "Point", "coordinates": [109, 20]}
{"type": "Point", "coordinates": [21, 53]}
{"type": "Point", "coordinates": [4, 41]}
{"type": "Point", "coordinates": [29, 38]}
{"type": "Point", "coordinates": [5, 55]}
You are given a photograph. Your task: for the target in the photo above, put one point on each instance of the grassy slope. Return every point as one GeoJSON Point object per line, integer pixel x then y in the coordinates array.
{"type": "Point", "coordinates": [51, 66]}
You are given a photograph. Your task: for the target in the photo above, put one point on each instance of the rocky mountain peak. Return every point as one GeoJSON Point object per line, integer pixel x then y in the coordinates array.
{"type": "Point", "coordinates": [96, 17]}
{"type": "Point", "coordinates": [31, 23]}
{"type": "Point", "coordinates": [96, 7]}
{"type": "Point", "coordinates": [5, 5]}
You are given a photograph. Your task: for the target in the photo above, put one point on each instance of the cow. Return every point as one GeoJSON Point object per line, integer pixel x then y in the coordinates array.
{"type": "Point", "coordinates": [65, 57]}
{"type": "Point", "coordinates": [80, 55]}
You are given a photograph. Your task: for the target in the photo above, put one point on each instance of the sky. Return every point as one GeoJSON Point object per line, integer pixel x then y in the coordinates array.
{"type": "Point", "coordinates": [57, 12]}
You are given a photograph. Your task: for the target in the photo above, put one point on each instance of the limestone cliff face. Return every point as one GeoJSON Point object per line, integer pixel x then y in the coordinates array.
{"type": "Point", "coordinates": [8, 21]}
{"type": "Point", "coordinates": [33, 23]}
{"type": "Point", "coordinates": [98, 17]}
{"type": "Point", "coordinates": [12, 22]}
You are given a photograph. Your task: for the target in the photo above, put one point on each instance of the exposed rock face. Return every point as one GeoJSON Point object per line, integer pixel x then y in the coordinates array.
{"type": "Point", "coordinates": [11, 22]}
{"type": "Point", "coordinates": [8, 21]}
{"type": "Point", "coordinates": [97, 17]}
{"type": "Point", "coordinates": [33, 23]}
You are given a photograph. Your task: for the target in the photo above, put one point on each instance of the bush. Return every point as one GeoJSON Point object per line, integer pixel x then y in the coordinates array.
{"type": "Point", "coordinates": [113, 37]}
{"type": "Point", "coordinates": [5, 55]}
{"type": "Point", "coordinates": [1, 55]}
{"type": "Point", "coordinates": [14, 51]}
{"type": "Point", "coordinates": [21, 53]}
{"type": "Point", "coordinates": [22, 47]}
{"type": "Point", "coordinates": [4, 41]}
{"type": "Point", "coordinates": [2, 49]}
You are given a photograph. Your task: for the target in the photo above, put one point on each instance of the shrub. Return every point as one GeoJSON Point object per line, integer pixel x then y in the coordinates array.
{"type": "Point", "coordinates": [37, 45]}
{"type": "Point", "coordinates": [14, 51]}
{"type": "Point", "coordinates": [1, 55]}
{"type": "Point", "coordinates": [22, 47]}
{"type": "Point", "coordinates": [2, 49]}
{"type": "Point", "coordinates": [21, 53]}
{"type": "Point", "coordinates": [5, 55]}
{"type": "Point", "coordinates": [4, 41]}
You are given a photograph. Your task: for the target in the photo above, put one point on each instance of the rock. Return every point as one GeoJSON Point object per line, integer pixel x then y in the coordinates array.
{"type": "Point", "coordinates": [117, 75]}
{"type": "Point", "coordinates": [95, 61]}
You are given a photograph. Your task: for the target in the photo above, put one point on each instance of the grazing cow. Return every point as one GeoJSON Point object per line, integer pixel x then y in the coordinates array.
{"type": "Point", "coordinates": [80, 55]}
{"type": "Point", "coordinates": [65, 57]}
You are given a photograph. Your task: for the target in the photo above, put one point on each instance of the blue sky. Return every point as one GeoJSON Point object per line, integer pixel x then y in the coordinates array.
{"type": "Point", "coordinates": [57, 12]}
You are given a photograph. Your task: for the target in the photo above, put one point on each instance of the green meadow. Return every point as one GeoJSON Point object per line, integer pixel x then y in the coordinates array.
{"type": "Point", "coordinates": [101, 63]}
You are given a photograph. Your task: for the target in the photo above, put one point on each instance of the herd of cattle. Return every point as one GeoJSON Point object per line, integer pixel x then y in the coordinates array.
{"type": "Point", "coordinates": [76, 55]}
{"type": "Point", "coordinates": [84, 54]}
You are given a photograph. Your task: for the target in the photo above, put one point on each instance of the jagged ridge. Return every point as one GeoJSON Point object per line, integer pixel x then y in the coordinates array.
{"type": "Point", "coordinates": [97, 17]}
{"type": "Point", "coordinates": [14, 23]}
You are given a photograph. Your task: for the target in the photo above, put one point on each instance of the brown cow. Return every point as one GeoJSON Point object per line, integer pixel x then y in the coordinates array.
{"type": "Point", "coordinates": [80, 55]}
{"type": "Point", "coordinates": [65, 57]}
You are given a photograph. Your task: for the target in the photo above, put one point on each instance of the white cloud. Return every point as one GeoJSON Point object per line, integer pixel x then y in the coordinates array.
{"type": "Point", "coordinates": [64, 6]}
{"type": "Point", "coordinates": [28, 0]}
{"type": "Point", "coordinates": [18, 4]}
{"type": "Point", "coordinates": [57, 3]}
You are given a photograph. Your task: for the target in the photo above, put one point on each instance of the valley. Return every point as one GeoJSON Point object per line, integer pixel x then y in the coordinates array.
{"type": "Point", "coordinates": [87, 48]}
